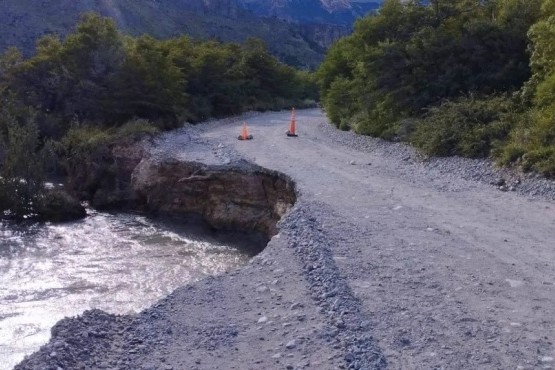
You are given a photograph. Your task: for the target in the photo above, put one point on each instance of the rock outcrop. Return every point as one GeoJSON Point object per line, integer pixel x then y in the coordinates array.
{"type": "Point", "coordinates": [242, 197]}
{"type": "Point", "coordinates": [324, 35]}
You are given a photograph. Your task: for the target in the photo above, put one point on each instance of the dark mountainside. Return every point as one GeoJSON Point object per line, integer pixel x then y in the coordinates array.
{"type": "Point", "coordinates": [298, 32]}
{"type": "Point", "coordinates": [341, 12]}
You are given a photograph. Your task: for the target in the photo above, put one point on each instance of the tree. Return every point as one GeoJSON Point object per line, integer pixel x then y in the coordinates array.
{"type": "Point", "coordinates": [412, 56]}
{"type": "Point", "coordinates": [149, 85]}
{"type": "Point", "coordinates": [532, 143]}
{"type": "Point", "coordinates": [93, 58]}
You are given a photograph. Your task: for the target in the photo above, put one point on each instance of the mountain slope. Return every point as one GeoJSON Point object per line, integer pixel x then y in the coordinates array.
{"type": "Point", "coordinates": [340, 12]}
{"type": "Point", "coordinates": [318, 24]}
{"type": "Point", "coordinates": [22, 22]}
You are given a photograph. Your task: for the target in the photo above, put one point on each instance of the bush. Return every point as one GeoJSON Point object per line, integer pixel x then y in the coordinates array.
{"type": "Point", "coordinates": [531, 145]}
{"type": "Point", "coordinates": [380, 121]}
{"type": "Point", "coordinates": [59, 206]}
{"type": "Point", "coordinates": [136, 128]}
{"type": "Point", "coordinates": [21, 163]}
{"type": "Point", "coordinates": [541, 160]}
{"type": "Point", "coordinates": [467, 127]}
{"type": "Point", "coordinates": [82, 140]}
{"type": "Point", "coordinates": [337, 100]}
{"type": "Point", "coordinates": [344, 125]}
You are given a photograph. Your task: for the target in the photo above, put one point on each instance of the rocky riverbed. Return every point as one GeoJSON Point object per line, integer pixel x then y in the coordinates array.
{"type": "Point", "coordinates": [387, 260]}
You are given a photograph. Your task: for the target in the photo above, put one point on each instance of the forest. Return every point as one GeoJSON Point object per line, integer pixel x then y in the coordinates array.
{"type": "Point", "coordinates": [98, 85]}
{"type": "Point", "coordinates": [474, 78]}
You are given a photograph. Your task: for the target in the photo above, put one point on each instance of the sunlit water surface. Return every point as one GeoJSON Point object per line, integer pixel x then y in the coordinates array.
{"type": "Point", "coordinates": [120, 263]}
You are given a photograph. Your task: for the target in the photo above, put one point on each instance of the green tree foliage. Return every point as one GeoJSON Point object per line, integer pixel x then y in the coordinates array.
{"type": "Point", "coordinates": [467, 127]}
{"type": "Point", "coordinates": [411, 57]}
{"type": "Point", "coordinates": [150, 85]}
{"type": "Point", "coordinates": [97, 86]}
{"type": "Point", "coordinates": [532, 144]}
{"type": "Point", "coordinates": [100, 76]}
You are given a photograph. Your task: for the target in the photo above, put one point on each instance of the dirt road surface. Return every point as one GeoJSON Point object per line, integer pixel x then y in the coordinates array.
{"type": "Point", "coordinates": [385, 262]}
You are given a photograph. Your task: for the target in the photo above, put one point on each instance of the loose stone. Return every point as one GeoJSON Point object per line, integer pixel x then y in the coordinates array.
{"type": "Point", "coordinates": [291, 344]}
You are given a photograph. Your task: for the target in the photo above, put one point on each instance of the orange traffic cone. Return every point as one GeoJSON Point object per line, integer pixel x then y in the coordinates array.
{"type": "Point", "coordinates": [291, 131]}
{"type": "Point", "coordinates": [244, 133]}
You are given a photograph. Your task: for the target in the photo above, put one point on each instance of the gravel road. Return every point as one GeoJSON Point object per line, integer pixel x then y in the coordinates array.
{"type": "Point", "coordinates": [387, 261]}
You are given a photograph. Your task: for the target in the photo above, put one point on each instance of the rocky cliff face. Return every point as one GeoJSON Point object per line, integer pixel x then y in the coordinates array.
{"type": "Point", "coordinates": [242, 197]}
{"type": "Point", "coordinates": [324, 34]}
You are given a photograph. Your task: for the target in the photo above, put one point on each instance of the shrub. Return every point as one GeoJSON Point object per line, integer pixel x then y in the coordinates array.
{"type": "Point", "coordinates": [380, 121]}
{"type": "Point", "coordinates": [531, 145]}
{"type": "Point", "coordinates": [58, 206]}
{"type": "Point", "coordinates": [21, 163]}
{"type": "Point", "coordinates": [84, 139]}
{"type": "Point", "coordinates": [338, 99]}
{"type": "Point", "coordinates": [411, 56]}
{"type": "Point", "coordinates": [467, 127]}
{"type": "Point", "coordinates": [136, 128]}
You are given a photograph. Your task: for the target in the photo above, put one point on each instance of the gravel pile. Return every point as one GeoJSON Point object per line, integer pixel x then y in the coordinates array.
{"type": "Point", "coordinates": [421, 168]}
{"type": "Point", "coordinates": [348, 325]}
{"type": "Point", "coordinates": [182, 143]}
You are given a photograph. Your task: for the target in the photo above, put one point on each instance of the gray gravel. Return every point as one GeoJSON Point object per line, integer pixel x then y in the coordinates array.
{"type": "Point", "coordinates": [450, 169]}
{"type": "Point", "coordinates": [388, 260]}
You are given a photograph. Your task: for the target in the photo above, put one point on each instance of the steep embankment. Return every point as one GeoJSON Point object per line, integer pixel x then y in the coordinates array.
{"type": "Point", "coordinates": [385, 260]}
{"type": "Point", "coordinates": [241, 197]}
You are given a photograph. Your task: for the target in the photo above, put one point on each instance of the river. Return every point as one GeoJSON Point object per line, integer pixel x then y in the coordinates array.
{"type": "Point", "coordinates": [120, 263]}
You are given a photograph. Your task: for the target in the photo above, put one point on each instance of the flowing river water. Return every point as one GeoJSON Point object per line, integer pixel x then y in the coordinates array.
{"type": "Point", "coordinates": [120, 263]}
